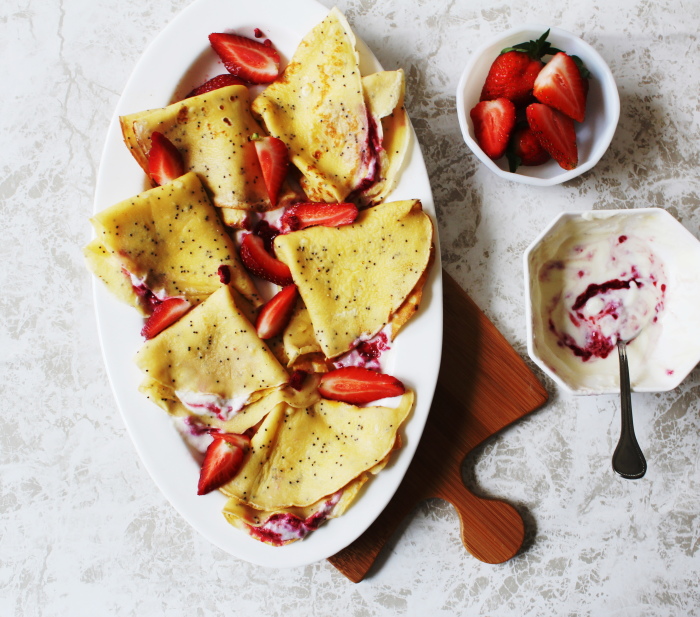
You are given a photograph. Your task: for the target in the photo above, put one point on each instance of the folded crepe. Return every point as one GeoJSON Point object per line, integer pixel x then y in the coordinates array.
{"type": "Point", "coordinates": [213, 133]}
{"type": "Point", "coordinates": [169, 240]}
{"type": "Point", "coordinates": [300, 344]}
{"type": "Point", "coordinates": [286, 525]}
{"type": "Point", "coordinates": [384, 94]}
{"type": "Point", "coordinates": [211, 360]}
{"type": "Point", "coordinates": [300, 456]}
{"type": "Point", "coordinates": [318, 109]}
{"type": "Point", "coordinates": [354, 279]}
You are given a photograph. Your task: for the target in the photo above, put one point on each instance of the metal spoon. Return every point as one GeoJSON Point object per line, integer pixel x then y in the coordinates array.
{"type": "Point", "coordinates": [628, 459]}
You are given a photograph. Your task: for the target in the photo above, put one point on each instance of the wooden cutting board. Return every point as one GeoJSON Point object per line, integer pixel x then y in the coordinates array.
{"type": "Point", "coordinates": [483, 386]}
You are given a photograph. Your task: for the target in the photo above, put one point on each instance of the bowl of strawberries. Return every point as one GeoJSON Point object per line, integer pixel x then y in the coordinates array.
{"type": "Point", "coordinates": [537, 105]}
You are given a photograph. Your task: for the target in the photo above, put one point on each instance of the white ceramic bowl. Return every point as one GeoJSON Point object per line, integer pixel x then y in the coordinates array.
{"type": "Point", "coordinates": [663, 354]}
{"type": "Point", "coordinates": [593, 135]}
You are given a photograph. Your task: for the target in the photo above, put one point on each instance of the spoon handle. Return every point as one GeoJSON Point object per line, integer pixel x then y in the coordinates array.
{"type": "Point", "coordinates": [628, 459]}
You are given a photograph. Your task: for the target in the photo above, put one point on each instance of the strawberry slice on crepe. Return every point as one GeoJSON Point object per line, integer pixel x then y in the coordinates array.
{"type": "Point", "coordinates": [262, 264]}
{"type": "Point", "coordinates": [358, 386]}
{"type": "Point", "coordinates": [222, 461]}
{"type": "Point", "coordinates": [274, 162]}
{"type": "Point", "coordinates": [276, 313]}
{"type": "Point", "coordinates": [301, 216]}
{"type": "Point", "coordinates": [164, 160]}
{"type": "Point", "coordinates": [220, 81]}
{"type": "Point", "coordinates": [164, 314]}
{"type": "Point", "coordinates": [250, 60]}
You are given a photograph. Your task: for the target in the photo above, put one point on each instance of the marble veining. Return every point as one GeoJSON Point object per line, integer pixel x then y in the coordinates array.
{"type": "Point", "coordinates": [83, 531]}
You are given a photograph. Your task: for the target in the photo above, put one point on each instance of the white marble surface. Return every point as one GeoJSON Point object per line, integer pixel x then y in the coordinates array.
{"type": "Point", "coordinates": [83, 531]}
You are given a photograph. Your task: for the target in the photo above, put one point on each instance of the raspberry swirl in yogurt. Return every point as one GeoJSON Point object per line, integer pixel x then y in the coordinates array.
{"type": "Point", "coordinates": [611, 289]}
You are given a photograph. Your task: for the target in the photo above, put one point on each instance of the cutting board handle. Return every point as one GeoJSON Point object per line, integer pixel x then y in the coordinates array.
{"type": "Point", "coordinates": [493, 531]}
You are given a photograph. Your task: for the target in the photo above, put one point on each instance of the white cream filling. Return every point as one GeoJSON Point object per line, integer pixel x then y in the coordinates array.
{"type": "Point", "coordinates": [211, 404]}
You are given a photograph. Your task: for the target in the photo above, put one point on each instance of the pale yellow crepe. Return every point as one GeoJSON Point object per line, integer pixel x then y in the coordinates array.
{"type": "Point", "coordinates": [299, 456]}
{"type": "Point", "coordinates": [271, 526]}
{"type": "Point", "coordinates": [354, 278]}
{"type": "Point", "coordinates": [105, 266]}
{"type": "Point", "coordinates": [384, 93]}
{"type": "Point", "coordinates": [298, 338]}
{"type": "Point", "coordinates": [318, 109]}
{"type": "Point", "coordinates": [212, 131]}
{"type": "Point", "coordinates": [211, 354]}
{"type": "Point", "coordinates": [171, 239]}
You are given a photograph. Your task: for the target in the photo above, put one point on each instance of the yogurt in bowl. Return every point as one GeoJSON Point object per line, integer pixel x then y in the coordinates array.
{"type": "Point", "coordinates": [594, 278]}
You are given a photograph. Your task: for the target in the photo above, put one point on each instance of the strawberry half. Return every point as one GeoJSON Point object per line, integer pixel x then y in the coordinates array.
{"type": "Point", "coordinates": [493, 123]}
{"type": "Point", "coordinates": [276, 313]}
{"type": "Point", "coordinates": [525, 149]}
{"type": "Point", "coordinates": [220, 81]}
{"type": "Point", "coordinates": [561, 86]}
{"type": "Point", "coordinates": [245, 58]}
{"type": "Point", "coordinates": [555, 132]}
{"type": "Point", "coordinates": [222, 461]}
{"type": "Point", "coordinates": [262, 264]}
{"type": "Point", "coordinates": [358, 386]}
{"type": "Point", "coordinates": [164, 160]}
{"type": "Point", "coordinates": [164, 314]}
{"type": "Point", "coordinates": [274, 162]}
{"type": "Point", "coordinates": [301, 216]}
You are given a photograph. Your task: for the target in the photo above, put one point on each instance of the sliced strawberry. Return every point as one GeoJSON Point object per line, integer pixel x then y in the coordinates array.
{"type": "Point", "coordinates": [525, 149]}
{"type": "Point", "coordinates": [493, 123]}
{"type": "Point", "coordinates": [274, 162]}
{"type": "Point", "coordinates": [301, 216]}
{"type": "Point", "coordinates": [164, 314]}
{"type": "Point", "coordinates": [275, 314]}
{"type": "Point", "coordinates": [245, 58]}
{"type": "Point", "coordinates": [164, 160]}
{"type": "Point", "coordinates": [262, 264]}
{"type": "Point", "coordinates": [220, 81]}
{"type": "Point", "coordinates": [555, 132]}
{"type": "Point", "coordinates": [222, 461]}
{"type": "Point", "coordinates": [358, 386]}
{"type": "Point", "coordinates": [561, 86]}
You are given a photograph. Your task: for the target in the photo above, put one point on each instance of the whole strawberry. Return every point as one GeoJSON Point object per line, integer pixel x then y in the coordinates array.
{"type": "Point", "coordinates": [512, 75]}
{"type": "Point", "coordinates": [525, 148]}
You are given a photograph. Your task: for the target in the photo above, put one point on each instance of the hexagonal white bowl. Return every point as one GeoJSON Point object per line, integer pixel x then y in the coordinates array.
{"type": "Point", "coordinates": [593, 135]}
{"type": "Point", "coordinates": [677, 349]}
